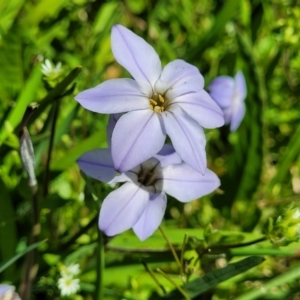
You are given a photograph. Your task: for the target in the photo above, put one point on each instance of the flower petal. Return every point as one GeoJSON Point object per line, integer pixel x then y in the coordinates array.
{"type": "Point", "coordinates": [151, 217]}
{"type": "Point", "coordinates": [185, 184]}
{"type": "Point", "coordinates": [222, 90]}
{"type": "Point", "coordinates": [179, 78]}
{"type": "Point", "coordinates": [97, 164]}
{"type": "Point", "coordinates": [113, 96]}
{"type": "Point", "coordinates": [202, 108]}
{"type": "Point", "coordinates": [138, 136]}
{"type": "Point", "coordinates": [136, 56]}
{"type": "Point", "coordinates": [122, 208]}
{"type": "Point", "coordinates": [240, 85]}
{"type": "Point", "coordinates": [167, 156]}
{"type": "Point", "coordinates": [238, 113]}
{"type": "Point", "coordinates": [4, 288]}
{"type": "Point", "coordinates": [112, 121]}
{"type": "Point", "coordinates": [187, 138]}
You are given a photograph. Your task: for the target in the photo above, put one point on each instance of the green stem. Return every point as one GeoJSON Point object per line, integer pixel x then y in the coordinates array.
{"type": "Point", "coordinates": [181, 257]}
{"type": "Point", "coordinates": [170, 246]}
{"type": "Point", "coordinates": [153, 276]}
{"type": "Point", "coordinates": [184, 294]}
{"type": "Point", "coordinates": [51, 143]}
{"type": "Point", "coordinates": [100, 268]}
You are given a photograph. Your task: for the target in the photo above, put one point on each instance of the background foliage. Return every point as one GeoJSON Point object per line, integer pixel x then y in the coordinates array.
{"type": "Point", "coordinates": [258, 165]}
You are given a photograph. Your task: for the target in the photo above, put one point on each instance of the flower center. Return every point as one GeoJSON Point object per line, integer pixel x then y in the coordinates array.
{"type": "Point", "coordinates": [157, 103]}
{"type": "Point", "coordinates": [149, 175]}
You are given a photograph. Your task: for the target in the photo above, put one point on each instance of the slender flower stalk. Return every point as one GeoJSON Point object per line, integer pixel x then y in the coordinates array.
{"type": "Point", "coordinates": [157, 102]}
{"type": "Point", "coordinates": [140, 203]}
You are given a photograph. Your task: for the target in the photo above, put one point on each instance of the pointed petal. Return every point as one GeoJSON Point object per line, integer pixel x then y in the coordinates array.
{"type": "Point", "coordinates": [97, 164]}
{"type": "Point", "coordinates": [113, 96]}
{"type": "Point", "coordinates": [241, 88]}
{"type": "Point", "coordinates": [179, 78]}
{"type": "Point", "coordinates": [136, 56]}
{"type": "Point", "coordinates": [202, 108]}
{"type": "Point", "coordinates": [112, 121]}
{"type": "Point", "coordinates": [222, 90]}
{"type": "Point", "coordinates": [167, 156]}
{"type": "Point", "coordinates": [151, 217]}
{"type": "Point", "coordinates": [238, 114]}
{"type": "Point", "coordinates": [122, 208]}
{"type": "Point", "coordinates": [138, 136]}
{"type": "Point", "coordinates": [185, 184]}
{"type": "Point", "coordinates": [187, 138]}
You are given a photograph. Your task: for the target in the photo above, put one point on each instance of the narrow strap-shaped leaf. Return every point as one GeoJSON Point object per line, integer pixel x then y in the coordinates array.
{"type": "Point", "coordinates": [9, 262]}
{"type": "Point", "coordinates": [283, 279]}
{"type": "Point", "coordinates": [211, 279]}
{"type": "Point", "coordinates": [55, 94]}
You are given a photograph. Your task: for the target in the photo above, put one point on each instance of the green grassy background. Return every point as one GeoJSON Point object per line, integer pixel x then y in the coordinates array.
{"type": "Point", "coordinates": [258, 165]}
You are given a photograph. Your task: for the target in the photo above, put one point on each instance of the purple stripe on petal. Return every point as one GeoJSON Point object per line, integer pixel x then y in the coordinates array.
{"type": "Point", "coordinates": [178, 78]}
{"type": "Point", "coordinates": [202, 108]}
{"type": "Point", "coordinates": [122, 208]}
{"type": "Point", "coordinates": [138, 136]}
{"type": "Point", "coordinates": [151, 217]}
{"type": "Point", "coordinates": [185, 184]}
{"type": "Point", "coordinates": [187, 138]}
{"type": "Point", "coordinates": [113, 96]}
{"type": "Point", "coordinates": [97, 164]}
{"type": "Point", "coordinates": [136, 56]}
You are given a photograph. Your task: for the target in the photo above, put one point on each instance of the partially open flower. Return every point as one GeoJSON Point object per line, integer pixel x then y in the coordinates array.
{"type": "Point", "coordinates": [159, 101]}
{"type": "Point", "coordinates": [141, 201]}
{"type": "Point", "coordinates": [230, 94]}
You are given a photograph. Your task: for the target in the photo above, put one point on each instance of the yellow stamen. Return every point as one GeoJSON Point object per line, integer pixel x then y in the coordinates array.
{"type": "Point", "coordinates": [153, 102]}
{"type": "Point", "coordinates": [161, 98]}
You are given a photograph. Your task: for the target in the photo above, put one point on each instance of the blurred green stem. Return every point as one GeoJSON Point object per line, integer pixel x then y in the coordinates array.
{"type": "Point", "coordinates": [230, 246]}
{"type": "Point", "coordinates": [171, 247]}
{"type": "Point", "coordinates": [100, 268]}
{"type": "Point", "coordinates": [51, 142]}
{"type": "Point", "coordinates": [184, 294]}
{"type": "Point", "coordinates": [153, 276]}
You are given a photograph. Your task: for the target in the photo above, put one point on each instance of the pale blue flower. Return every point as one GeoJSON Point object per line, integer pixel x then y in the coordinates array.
{"type": "Point", "coordinates": [8, 292]}
{"type": "Point", "coordinates": [159, 102]}
{"type": "Point", "coordinates": [141, 201]}
{"type": "Point", "coordinates": [230, 94]}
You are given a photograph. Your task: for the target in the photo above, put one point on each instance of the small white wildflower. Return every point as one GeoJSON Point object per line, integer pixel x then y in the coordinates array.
{"type": "Point", "coordinates": [49, 70]}
{"type": "Point", "coordinates": [7, 292]}
{"type": "Point", "coordinates": [68, 285]}
{"type": "Point", "coordinates": [70, 270]}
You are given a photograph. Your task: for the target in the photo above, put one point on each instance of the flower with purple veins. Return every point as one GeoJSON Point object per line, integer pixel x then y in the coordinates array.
{"type": "Point", "coordinates": [230, 94]}
{"type": "Point", "coordinates": [140, 203]}
{"type": "Point", "coordinates": [159, 102]}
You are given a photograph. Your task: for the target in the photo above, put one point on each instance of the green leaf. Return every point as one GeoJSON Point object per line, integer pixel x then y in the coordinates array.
{"type": "Point", "coordinates": [284, 164]}
{"type": "Point", "coordinates": [211, 279]}
{"type": "Point", "coordinates": [55, 94]}
{"type": "Point", "coordinates": [94, 141]}
{"type": "Point", "coordinates": [283, 279]}
{"type": "Point", "coordinates": [9, 262]}
{"type": "Point", "coordinates": [28, 95]}
{"type": "Point", "coordinates": [8, 229]}
{"type": "Point", "coordinates": [227, 12]}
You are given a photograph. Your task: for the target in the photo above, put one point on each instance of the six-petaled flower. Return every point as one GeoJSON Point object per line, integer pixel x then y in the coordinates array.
{"type": "Point", "coordinates": [157, 102]}
{"type": "Point", "coordinates": [140, 202]}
